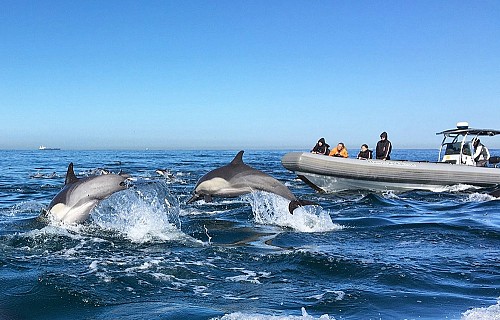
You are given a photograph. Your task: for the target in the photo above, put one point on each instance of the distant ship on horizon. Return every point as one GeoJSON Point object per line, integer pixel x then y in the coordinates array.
{"type": "Point", "coordinates": [42, 147]}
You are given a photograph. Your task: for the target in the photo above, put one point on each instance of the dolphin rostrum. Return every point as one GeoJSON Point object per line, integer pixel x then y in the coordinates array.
{"type": "Point", "coordinates": [236, 179]}
{"type": "Point", "coordinates": [79, 196]}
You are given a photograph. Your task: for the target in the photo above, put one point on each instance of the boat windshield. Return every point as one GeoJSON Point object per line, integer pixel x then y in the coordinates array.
{"type": "Point", "coordinates": [457, 152]}
{"type": "Point", "coordinates": [454, 148]}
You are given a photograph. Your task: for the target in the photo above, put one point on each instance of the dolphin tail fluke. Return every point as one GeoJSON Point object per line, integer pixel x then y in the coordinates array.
{"type": "Point", "coordinates": [300, 203]}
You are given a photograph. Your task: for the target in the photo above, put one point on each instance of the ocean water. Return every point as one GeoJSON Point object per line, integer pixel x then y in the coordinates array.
{"type": "Point", "coordinates": [145, 254]}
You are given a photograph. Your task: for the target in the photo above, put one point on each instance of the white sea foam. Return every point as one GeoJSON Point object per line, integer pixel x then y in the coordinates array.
{"type": "Point", "coordinates": [339, 295]}
{"type": "Point", "coordinates": [23, 208]}
{"type": "Point", "coordinates": [390, 194]}
{"type": "Point", "coordinates": [488, 313]}
{"type": "Point", "coordinates": [272, 209]}
{"type": "Point", "coordinates": [454, 188]}
{"type": "Point", "coordinates": [256, 316]}
{"type": "Point", "coordinates": [480, 197]}
{"type": "Point", "coordinates": [195, 212]}
{"type": "Point", "coordinates": [70, 231]}
{"type": "Point", "coordinates": [248, 276]}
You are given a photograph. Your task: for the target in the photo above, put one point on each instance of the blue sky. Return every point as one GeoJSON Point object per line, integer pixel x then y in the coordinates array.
{"type": "Point", "coordinates": [245, 74]}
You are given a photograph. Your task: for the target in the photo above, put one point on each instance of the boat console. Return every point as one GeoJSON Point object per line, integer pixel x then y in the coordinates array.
{"type": "Point", "coordinates": [457, 148]}
{"type": "Point", "coordinates": [456, 153]}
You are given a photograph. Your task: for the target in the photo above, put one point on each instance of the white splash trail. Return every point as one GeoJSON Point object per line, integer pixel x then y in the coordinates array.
{"type": "Point", "coordinates": [255, 316]}
{"type": "Point", "coordinates": [272, 209]}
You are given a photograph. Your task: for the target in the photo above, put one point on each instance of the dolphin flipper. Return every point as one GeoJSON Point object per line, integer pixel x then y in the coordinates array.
{"type": "Point", "coordinates": [206, 197]}
{"type": "Point", "coordinates": [194, 198]}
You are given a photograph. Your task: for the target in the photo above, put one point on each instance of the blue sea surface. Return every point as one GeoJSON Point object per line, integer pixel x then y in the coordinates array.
{"type": "Point", "coordinates": [145, 254]}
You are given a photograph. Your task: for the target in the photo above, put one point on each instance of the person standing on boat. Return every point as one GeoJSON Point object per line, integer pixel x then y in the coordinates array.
{"type": "Point", "coordinates": [481, 153]}
{"type": "Point", "coordinates": [384, 148]}
{"type": "Point", "coordinates": [365, 153]}
{"type": "Point", "coordinates": [339, 151]}
{"type": "Point", "coordinates": [321, 147]}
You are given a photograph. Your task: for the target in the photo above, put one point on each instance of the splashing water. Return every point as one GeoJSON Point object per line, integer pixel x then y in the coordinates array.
{"type": "Point", "coordinates": [454, 188]}
{"type": "Point", "coordinates": [488, 313]}
{"type": "Point", "coordinates": [272, 209]}
{"type": "Point", "coordinates": [243, 316]}
{"type": "Point", "coordinates": [142, 213]}
{"type": "Point", "coordinates": [23, 208]}
{"type": "Point", "coordinates": [480, 197]}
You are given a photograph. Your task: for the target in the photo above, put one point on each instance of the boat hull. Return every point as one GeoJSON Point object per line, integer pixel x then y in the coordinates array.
{"type": "Point", "coordinates": [331, 174]}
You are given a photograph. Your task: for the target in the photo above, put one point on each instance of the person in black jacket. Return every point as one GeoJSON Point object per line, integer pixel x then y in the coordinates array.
{"type": "Point", "coordinates": [321, 147]}
{"type": "Point", "coordinates": [384, 147]}
{"type": "Point", "coordinates": [365, 153]}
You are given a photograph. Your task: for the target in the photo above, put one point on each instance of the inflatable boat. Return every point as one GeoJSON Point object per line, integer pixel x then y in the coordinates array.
{"type": "Point", "coordinates": [455, 166]}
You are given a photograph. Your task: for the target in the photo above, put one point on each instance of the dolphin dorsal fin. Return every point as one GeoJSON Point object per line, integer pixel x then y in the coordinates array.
{"type": "Point", "coordinates": [238, 159]}
{"type": "Point", "coordinates": [70, 175]}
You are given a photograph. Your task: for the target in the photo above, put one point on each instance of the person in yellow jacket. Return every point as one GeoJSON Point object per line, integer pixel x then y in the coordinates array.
{"type": "Point", "coordinates": [339, 151]}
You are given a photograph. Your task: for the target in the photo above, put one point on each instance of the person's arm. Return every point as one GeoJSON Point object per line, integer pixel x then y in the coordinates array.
{"type": "Point", "coordinates": [387, 150]}
{"type": "Point", "coordinates": [477, 153]}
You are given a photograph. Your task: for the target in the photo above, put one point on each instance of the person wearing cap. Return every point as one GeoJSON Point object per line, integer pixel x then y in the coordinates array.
{"type": "Point", "coordinates": [384, 148]}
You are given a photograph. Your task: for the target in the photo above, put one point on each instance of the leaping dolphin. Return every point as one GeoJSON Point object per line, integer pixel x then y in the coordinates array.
{"type": "Point", "coordinates": [79, 196]}
{"type": "Point", "coordinates": [236, 179]}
